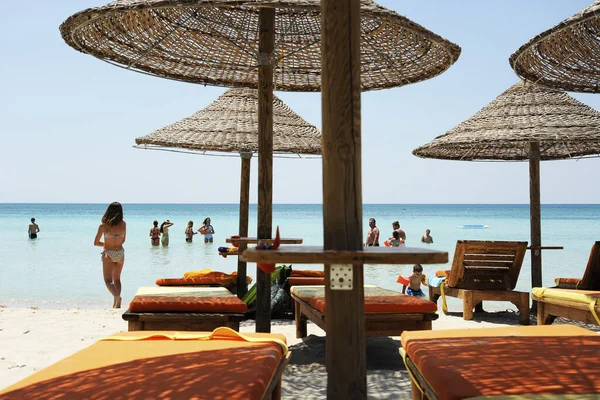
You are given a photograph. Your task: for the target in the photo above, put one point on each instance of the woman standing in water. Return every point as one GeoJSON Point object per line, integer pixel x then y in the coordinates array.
{"type": "Point", "coordinates": [113, 257]}
{"type": "Point", "coordinates": [164, 231]}
{"type": "Point", "coordinates": [189, 232]}
{"type": "Point", "coordinates": [155, 234]}
{"type": "Point", "coordinates": [207, 230]}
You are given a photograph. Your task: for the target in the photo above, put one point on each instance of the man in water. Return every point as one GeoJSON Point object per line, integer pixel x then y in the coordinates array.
{"type": "Point", "coordinates": [33, 229]}
{"type": "Point", "coordinates": [373, 234]}
{"type": "Point", "coordinates": [426, 238]}
{"type": "Point", "coordinates": [401, 233]}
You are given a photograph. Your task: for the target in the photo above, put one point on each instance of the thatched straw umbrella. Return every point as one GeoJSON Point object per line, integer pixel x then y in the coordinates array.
{"type": "Point", "coordinates": [526, 122]}
{"type": "Point", "coordinates": [262, 43]}
{"type": "Point", "coordinates": [566, 56]}
{"type": "Point", "coordinates": [230, 125]}
{"type": "Point", "coordinates": [253, 43]}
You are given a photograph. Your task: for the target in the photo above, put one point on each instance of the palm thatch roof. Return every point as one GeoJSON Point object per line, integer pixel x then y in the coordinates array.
{"type": "Point", "coordinates": [215, 42]}
{"type": "Point", "coordinates": [230, 124]}
{"type": "Point", "coordinates": [566, 56]}
{"type": "Point", "coordinates": [526, 112]}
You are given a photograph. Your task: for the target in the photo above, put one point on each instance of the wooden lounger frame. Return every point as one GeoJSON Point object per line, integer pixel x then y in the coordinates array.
{"type": "Point", "coordinates": [273, 391]}
{"type": "Point", "coordinates": [549, 309]}
{"type": "Point", "coordinates": [421, 391]}
{"type": "Point", "coordinates": [486, 270]}
{"type": "Point", "coordinates": [165, 321]}
{"type": "Point", "coordinates": [376, 324]}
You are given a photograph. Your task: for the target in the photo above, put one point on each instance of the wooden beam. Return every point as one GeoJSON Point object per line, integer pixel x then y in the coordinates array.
{"type": "Point", "coordinates": [242, 287]}
{"type": "Point", "coordinates": [266, 44]}
{"type": "Point", "coordinates": [342, 194]}
{"type": "Point", "coordinates": [535, 214]}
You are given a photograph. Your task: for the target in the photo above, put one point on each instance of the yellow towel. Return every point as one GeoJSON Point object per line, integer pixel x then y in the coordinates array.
{"type": "Point", "coordinates": [569, 296]}
{"type": "Point", "coordinates": [218, 333]}
{"type": "Point", "coordinates": [193, 274]}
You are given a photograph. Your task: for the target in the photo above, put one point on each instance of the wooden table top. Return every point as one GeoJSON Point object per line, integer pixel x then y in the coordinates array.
{"type": "Point", "coordinates": [369, 255]}
{"type": "Point", "coordinates": [253, 240]}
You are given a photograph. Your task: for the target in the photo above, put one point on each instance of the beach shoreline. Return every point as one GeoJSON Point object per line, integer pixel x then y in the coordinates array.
{"type": "Point", "coordinates": [35, 338]}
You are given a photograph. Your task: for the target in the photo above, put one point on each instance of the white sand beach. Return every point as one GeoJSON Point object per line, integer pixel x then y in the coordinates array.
{"type": "Point", "coordinates": [33, 339]}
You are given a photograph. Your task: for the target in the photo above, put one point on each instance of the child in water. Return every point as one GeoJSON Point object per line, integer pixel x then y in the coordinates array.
{"type": "Point", "coordinates": [417, 277]}
{"type": "Point", "coordinates": [395, 241]}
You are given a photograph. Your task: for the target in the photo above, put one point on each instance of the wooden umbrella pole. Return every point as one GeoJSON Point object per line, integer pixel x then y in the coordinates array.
{"type": "Point", "coordinates": [266, 18]}
{"type": "Point", "coordinates": [242, 287]}
{"type": "Point", "coordinates": [535, 214]}
{"type": "Point", "coordinates": [342, 195]}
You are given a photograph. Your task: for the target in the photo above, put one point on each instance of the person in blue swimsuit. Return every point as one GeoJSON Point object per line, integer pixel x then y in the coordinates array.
{"type": "Point", "coordinates": [114, 229]}
{"type": "Point", "coordinates": [207, 230]}
{"type": "Point", "coordinates": [417, 277]}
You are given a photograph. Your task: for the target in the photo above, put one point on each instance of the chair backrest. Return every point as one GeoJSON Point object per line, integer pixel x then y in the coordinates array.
{"type": "Point", "coordinates": [486, 265]}
{"type": "Point", "coordinates": [591, 277]}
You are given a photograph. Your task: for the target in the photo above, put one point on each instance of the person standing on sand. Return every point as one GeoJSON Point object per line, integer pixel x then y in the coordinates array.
{"type": "Point", "coordinates": [114, 229]}
{"type": "Point", "coordinates": [33, 229]}
{"type": "Point", "coordinates": [426, 238]}
{"type": "Point", "coordinates": [401, 233]}
{"type": "Point", "coordinates": [164, 231]}
{"type": "Point", "coordinates": [155, 234]}
{"type": "Point", "coordinates": [373, 234]}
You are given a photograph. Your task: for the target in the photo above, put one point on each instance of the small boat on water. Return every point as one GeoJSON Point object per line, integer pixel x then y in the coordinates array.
{"type": "Point", "coordinates": [473, 226]}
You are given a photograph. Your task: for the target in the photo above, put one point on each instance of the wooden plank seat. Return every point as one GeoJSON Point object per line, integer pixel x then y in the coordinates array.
{"type": "Point", "coordinates": [512, 361]}
{"type": "Point", "coordinates": [485, 270]}
{"type": "Point", "coordinates": [577, 305]}
{"type": "Point", "coordinates": [184, 309]}
{"type": "Point", "coordinates": [159, 364]}
{"type": "Point", "coordinates": [387, 312]}
{"type": "Point", "coordinates": [591, 276]}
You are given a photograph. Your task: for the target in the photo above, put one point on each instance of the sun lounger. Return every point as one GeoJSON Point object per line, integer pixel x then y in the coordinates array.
{"type": "Point", "coordinates": [591, 276]}
{"type": "Point", "coordinates": [577, 305]}
{"type": "Point", "coordinates": [301, 277]}
{"type": "Point", "coordinates": [387, 312]}
{"type": "Point", "coordinates": [517, 361]}
{"type": "Point", "coordinates": [485, 270]}
{"type": "Point", "coordinates": [170, 365]}
{"type": "Point", "coordinates": [212, 278]}
{"type": "Point", "coordinates": [184, 309]}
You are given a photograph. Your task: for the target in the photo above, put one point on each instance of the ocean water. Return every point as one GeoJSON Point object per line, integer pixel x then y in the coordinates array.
{"type": "Point", "coordinates": [62, 267]}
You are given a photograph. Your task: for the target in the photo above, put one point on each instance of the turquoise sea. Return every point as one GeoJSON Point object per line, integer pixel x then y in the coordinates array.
{"type": "Point", "coordinates": [62, 268]}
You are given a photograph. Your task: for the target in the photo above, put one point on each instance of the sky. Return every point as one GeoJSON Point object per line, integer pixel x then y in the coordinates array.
{"type": "Point", "coordinates": [68, 121]}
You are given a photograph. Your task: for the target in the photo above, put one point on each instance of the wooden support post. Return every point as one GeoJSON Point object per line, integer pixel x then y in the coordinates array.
{"type": "Point", "coordinates": [266, 18]}
{"type": "Point", "coordinates": [535, 216]}
{"type": "Point", "coordinates": [242, 287]}
{"type": "Point", "coordinates": [342, 194]}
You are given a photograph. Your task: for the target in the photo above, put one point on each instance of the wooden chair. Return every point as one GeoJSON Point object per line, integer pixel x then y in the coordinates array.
{"type": "Point", "coordinates": [577, 305]}
{"type": "Point", "coordinates": [591, 276]}
{"type": "Point", "coordinates": [485, 270]}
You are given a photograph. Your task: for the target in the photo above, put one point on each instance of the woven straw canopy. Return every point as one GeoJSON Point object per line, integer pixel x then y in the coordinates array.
{"type": "Point", "coordinates": [230, 124]}
{"type": "Point", "coordinates": [215, 42]}
{"type": "Point", "coordinates": [566, 56]}
{"type": "Point", "coordinates": [526, 112]}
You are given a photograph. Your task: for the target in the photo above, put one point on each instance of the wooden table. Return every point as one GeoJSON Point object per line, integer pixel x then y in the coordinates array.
{"type": "Point", "coordinates": [369, 255]}
{"type": "Point", "coordinates": [253, 240]}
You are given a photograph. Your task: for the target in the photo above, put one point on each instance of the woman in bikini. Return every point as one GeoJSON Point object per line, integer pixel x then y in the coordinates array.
{"type": "Point", "coordinates": [155, 234]}
{"type": "Point", "coordinates": [189, 232]}
{"type": "Point", "coordinates": [164, 231]}
{"type": "Point", "coordinates": [207, 230]}
{"type": "Point", "coordinates": [114, 229]}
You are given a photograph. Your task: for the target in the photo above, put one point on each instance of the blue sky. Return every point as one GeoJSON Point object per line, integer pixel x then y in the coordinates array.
{"type": "Point", "coordinates": [68, 120]}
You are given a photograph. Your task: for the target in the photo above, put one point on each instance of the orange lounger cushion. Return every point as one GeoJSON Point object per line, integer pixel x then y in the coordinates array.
{"type": "Point", "coordinates": [567, 283]}
{"type": "Point", "coordinates": [211, 278]}
{"type": "Point", "coordinates": [377, 300]}
{"type": "Point", "coordinates": [308, 273]}
{"type": "Point", "coordinates": [555, 359]}
{"type": "Point", "coordinates": [301, 280]}
{"type": "Point", "coordinates": [186, 299]}
{"type": "Point", "coordinates": [158, 368]}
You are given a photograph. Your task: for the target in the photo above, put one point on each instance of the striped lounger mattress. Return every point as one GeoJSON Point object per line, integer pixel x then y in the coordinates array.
{"type": "Point", "coordinates": [184, 309]}
{"type": "Point", "coordinates": [387, 312]}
